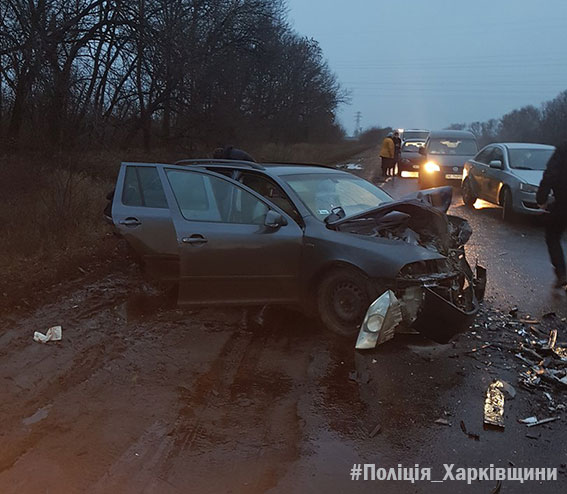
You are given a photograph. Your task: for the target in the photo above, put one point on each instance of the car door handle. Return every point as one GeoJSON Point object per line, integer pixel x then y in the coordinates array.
{"type": "Point", "coordinates": [131, 222]}
{"type": "Point", "coordinates": [194, 239]}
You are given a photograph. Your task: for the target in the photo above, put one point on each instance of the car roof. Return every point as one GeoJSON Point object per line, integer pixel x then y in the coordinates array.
{"type": "Point", "coordinates": [273, 168]}
{"type": "Point", "coordinates": [416, 130]}
{"type": "Point", "coordinates": [524, 145]}
{"type": "Point", "coordinates": [299, 168]}
{"type": "Point", "coordinates": [451, 133]}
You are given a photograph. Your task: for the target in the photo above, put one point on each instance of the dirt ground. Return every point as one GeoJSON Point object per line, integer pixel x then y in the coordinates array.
{"type": "Point", "coordinates": [141, 396]}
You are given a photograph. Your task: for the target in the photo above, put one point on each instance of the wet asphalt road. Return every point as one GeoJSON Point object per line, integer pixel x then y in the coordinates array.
{"type": "Point", "coordinates": [519, 270]}
{"type": "Point", "coordinates": [143, 397]}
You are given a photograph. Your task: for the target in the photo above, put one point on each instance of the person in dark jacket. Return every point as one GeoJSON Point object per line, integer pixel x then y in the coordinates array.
{"type": "Point", "coordinates": [397, 153]}
{"type": "Point", "coordinates": [232, 153]}
{"type": "Point", "coordinates": [555, 179]}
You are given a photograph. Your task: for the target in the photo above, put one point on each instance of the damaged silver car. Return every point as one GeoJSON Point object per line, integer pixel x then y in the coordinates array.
{"type": "Point", "coordinates": [331, 243]}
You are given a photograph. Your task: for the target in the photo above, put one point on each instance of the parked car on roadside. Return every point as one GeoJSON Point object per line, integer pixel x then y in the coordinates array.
{"type": "Point", "coordinates": [445, 153]}
{"type": "Point", "coordinates": [506, 174]}
{"type": "Point", "coordinates": [410, 159]}
{"type": "Point", "coordinates": [237, 232]}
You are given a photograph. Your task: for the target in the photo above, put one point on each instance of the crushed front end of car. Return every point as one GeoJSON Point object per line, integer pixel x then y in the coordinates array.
{"type": "Point", "coordinates": [437, 297]}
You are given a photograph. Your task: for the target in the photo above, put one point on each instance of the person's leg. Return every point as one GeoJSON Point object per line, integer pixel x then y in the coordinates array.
{"type": "Point", "coordinates": [555, 225]}
{"type": "Point", "coordinates": [384, 166]}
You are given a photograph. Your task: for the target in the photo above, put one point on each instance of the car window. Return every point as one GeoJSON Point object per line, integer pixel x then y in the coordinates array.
{"type": "Point", "coordinates": [321, 192]}
{"type": "Point", "coordinates": [412, 147]}
{"type": "Point", "coordinates": [484, 155]}
{"type": "Point", "coordinates": [203, 197]}
{"type": "Point", "coordinates": [271, 191]}
{"type": "Point", "coordinates": [143, 188]}
{"type": "Point", "coordinates": [452, 146]}
{"type": "Point", "coordinates": [529, 159]}
{"type": "Point", "coordinates": [497, 155]}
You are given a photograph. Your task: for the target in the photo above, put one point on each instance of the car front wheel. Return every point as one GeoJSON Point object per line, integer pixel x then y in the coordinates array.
{"type": "Point", "coordinates": [469, 197]}
{"type": "Point", "coordinates": [342, 301]}
{"type": "Point", "coordinates": [508, 213]}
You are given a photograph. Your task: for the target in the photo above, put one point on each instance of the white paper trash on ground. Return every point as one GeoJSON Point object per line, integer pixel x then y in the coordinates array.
{"type": "Point", "coordinates": [53, 334]}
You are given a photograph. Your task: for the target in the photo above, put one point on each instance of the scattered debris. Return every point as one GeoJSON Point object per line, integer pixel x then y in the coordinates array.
{"type": "Point", "coordinates": [496, 490]}
{"type": "Point", "coordinates": [508, 389]}
{"type": "Point", "coordinates": [532, 436]}
{"type": "Point", "coordinates": [443, 422]}
{"type": "Point", "coordinates": [470, 435]}
{"type": "Point", "coordinates": [53, 334]}
{"type": "Point", "coordinates": [544, 421]}
{"type": "Point", "coordinates": [551, 340]}
{"type": "Point", "coordinates": [513, 311]}
{"type": "Point", "coordinates": [375, 431]}
{"type": "Point", "coordinates": [494, 405]}
{"type": "Point", "coordinates": [528, 420]}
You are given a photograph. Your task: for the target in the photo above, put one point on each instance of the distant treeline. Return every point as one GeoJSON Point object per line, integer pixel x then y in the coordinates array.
{"type": "Point", "coordinates": [547, 124]}
{"type": "Point", "coordinates": [92, 73]}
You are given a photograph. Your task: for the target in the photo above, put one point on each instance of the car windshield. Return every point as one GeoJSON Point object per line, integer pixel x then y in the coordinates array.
{"type": "Point", "coordinates": [529, 159]}
{"type": "Point", "coordinates": [412, 147]}
{"type": "Point", "coordinates": [415, 134]}
{"type": "Point", "coordinates": [460, 147]}
{"type": "Point", "coordinates": [322, 192]}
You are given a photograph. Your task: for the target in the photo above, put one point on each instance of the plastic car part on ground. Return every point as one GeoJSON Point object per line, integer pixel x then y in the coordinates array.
{"type": "Point", "coordinates": [380, 321]}
{"type": "Point", "coordinates": [53, 334]}
{"type": "Point", "coordinates": [494, 405]}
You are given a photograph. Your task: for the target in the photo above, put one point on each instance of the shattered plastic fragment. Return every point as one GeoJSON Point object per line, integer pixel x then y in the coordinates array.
{"type": "Point", "coordinates": [52, 334]}
{"type": "Point", "coordinates": [494, 405]}
{"type": "Point", "coordinates": [528, 420]}
{"type": "Point", "coordinates": [552, 340]}
{"type": "Point", "coordinates": [442, 422]}
{"type": "Point", "coordinates": [543, 421]}
{"type": "Point", "coordinates": [381, 319]}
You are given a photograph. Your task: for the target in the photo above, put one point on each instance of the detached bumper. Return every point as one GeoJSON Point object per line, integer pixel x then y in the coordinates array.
{"type": "Point", "coordinates": [423, 308]}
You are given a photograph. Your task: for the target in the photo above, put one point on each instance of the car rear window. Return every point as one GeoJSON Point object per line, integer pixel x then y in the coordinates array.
{"type": "Point", "coordinates": [142, 188]}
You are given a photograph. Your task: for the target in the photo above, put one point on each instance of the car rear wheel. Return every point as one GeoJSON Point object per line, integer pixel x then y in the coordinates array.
{"type": "Point", "coordinates": [469, 197]}
{"type": "Point", "coordinates": [508, 213]}
{"type": "Point", "coordinates": [343, 298]}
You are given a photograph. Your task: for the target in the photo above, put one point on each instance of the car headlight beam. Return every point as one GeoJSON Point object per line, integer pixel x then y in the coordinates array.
{"type": "Point", "coordinates": [431, 167]}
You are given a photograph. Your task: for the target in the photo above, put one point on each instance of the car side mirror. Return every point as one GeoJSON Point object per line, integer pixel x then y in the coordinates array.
{"type": "Point", "coordinates": [495, 164]}
{"type": "Point", "coordinates": [274, 220]}
{"type": "Point", "coordinates": [422, 151]}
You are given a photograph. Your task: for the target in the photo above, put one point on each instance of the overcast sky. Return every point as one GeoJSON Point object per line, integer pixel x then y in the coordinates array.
{"type": "Point", "coordinates": [426, 64]}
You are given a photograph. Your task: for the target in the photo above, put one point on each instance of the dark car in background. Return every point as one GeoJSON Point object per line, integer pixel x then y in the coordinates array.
{"type": "Point", "coordinates": [445, 153]}
{"type": "Point", "coordinates": [236, 232]}
{"type": "Point", "coordinates": [410, 159]}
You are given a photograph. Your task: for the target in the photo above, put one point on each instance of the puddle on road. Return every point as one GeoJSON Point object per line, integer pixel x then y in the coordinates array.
{"type": "Point", "coordinates": [38, 416]}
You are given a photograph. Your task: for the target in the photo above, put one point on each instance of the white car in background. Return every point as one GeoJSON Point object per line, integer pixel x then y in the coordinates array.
{"type": "Point", "coordinates": [507, 174]}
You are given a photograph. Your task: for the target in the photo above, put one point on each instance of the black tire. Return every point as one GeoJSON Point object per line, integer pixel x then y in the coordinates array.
{"type": "Point", "coordinates": [343, 298]}
{"type": "Point", "coordinates": [508, 213]}
{"type": "Point", "coordinates": [469, 197]}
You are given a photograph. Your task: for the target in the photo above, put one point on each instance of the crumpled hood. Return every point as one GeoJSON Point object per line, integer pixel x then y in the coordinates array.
{"type": "Point", "coordinates": [532, 177]}
{"type": "Point", "coordinates": [437, 198]}
{"type": "Point", "coordinates": [419, 220]}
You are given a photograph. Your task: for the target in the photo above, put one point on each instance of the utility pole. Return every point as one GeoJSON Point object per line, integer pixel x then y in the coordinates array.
{"type": "Point", "coordinates": [357, 117]}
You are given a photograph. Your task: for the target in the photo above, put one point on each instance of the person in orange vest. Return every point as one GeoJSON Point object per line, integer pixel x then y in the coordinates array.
{"type": "Point", "coordinates": [387, 154]}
